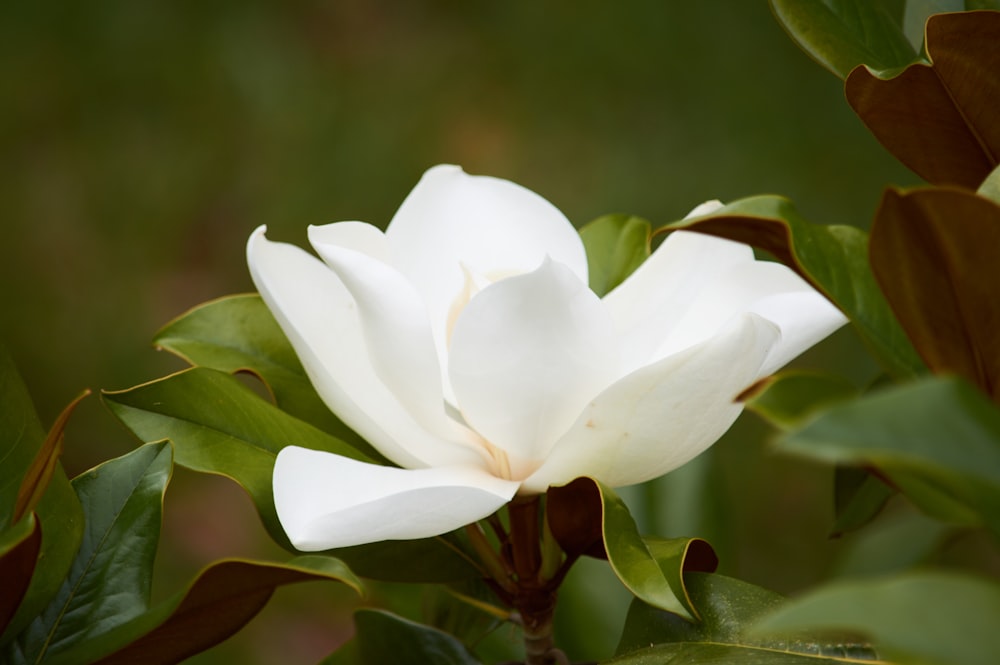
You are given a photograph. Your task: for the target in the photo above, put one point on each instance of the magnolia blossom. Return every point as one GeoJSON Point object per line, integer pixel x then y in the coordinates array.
{"type": "Point", "coordinates": [465, 345]}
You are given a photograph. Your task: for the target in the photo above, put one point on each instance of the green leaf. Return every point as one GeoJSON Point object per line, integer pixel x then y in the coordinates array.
{"type": "Point", "coordinates": [842, 34]}
{"type": "Point", "coordinates": [917, 12]}
{"type": "Point", "coordinates": [937, 440]}
{"type": "Point", "coordinates": [787, 399]}
{"type": "Point", "coordinates": [616, 245]}
{"type": "Point", "coordinates": [651, 568]}
{"type": "Point", "coordinates": [220, 601]}
{"type": "Point", "coordinates": [834, 259]}
{"type": "Point", "coordinates": [386, 638]}
{"type": "Point", "coordinates": [61, 518]}
{"type": "Point", "coordinates": [859, 497]}
{"type": "Point", "coordinates": [218, 425]}
{"type": "Point", "coordinates": [21, 436]}
{"type": "Point", "coordinates": [238, 333]}
{"type": "Point", "coordinates": [897, 542]}
{"type": "Point", "coordinates": [109, 582]}
{"type": "Point", "coordinates": [933, 252]}
{"type": "Point", "coordinates": [433, 560]}
{"type": "Point", "coordinates": [727, 607]}
{"type": "Point", "coordinates": [940, 120]}
{"type": "Point", "coordinates": [931, 618]}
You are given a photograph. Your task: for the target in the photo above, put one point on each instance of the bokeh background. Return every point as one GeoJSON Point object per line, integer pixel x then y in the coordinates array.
{"type": "Point", "coordinates": [142, 141]}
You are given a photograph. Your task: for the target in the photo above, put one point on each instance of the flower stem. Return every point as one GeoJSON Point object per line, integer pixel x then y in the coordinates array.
{"type": "Point", "coordinates": [535, 596]}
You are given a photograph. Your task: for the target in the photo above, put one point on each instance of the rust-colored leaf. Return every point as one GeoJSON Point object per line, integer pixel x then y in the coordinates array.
{"type": "Point", "coordinates": [576, 518]}
{"type": "Point", "coordinates": [940, 120]}
{"type": "Point", "coordinates": [44, 465]}
{"type": "Point", "coordinates": [934, 253]}
{"type": "Point", "coordinates": [222, 600]}
{"type": "Point", "coordinates": [17, 565]}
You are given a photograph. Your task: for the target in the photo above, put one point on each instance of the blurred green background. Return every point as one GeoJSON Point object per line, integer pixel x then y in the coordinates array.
{"type": "Point", "coordinates": [142, 141]}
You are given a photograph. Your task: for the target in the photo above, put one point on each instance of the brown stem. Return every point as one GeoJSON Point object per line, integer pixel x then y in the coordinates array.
{"type": "Point", "coordinates": [524, 538]}
{"type": "Point", "coordinates": [535, 597]}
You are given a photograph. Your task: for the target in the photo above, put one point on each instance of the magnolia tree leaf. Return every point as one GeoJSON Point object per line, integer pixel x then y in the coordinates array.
{"type": "Point", "coordinates": [727, 607]}
{"type": "Point", "coordinates": [917, 12]}
{"type": "Point", "coordinates": [218, 425]}
{"type": "Point", "coordinates": [44, 466]}
{"type": "Point", "coordinates": [842, 34]}
{"type": "Point", "coordinates": [899, 541]}
{"type": "Point", "coordinates": [937, 440]}
{"type": "Point", "coordinates": [858, 497]}
{"type": "Point", "coordinates": [585, 513]}
{"type": "Point", "coordinates": [62, 520]}
{"type": "Point", "coordinates": [616, 245]}
{"type": "Point", "coordinates": [31, 479]}
{"type": "Point", "coordinates": [834, 259]}
{"type": "Point", "coordinates": [21, 436]}
{"type": "Point", "coordinates": [109, 582]}
{"type": "Point", "coordinates": [934, 252]}
{"type": "Point", "coordinates": [220, 601]}
{"type": "Point", "coordinates": [238, 333]}
{"type": "Point", "coordinates": [383, 637]}
{"type": "Point", "coordinates": [931, 618]}
{"type": "Point", "coordinates": [940, 119]}
{"type": "Point", "coordinates": [19, 547]}
{"type": "Point", "coordinates": [787, 399]}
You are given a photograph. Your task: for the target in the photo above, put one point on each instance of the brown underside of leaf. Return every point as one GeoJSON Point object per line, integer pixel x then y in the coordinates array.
{"type": "Point", "coordinates": [934, 253]}
{"type": "Point", "coordinates": [940, 120]}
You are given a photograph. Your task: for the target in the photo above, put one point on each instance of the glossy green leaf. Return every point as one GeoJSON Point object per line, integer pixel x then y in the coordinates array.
{"type": "Point", "coordinates": [111, 576]}
{"type": "Point", "coordinates": [220, 601]}
{"type": "Point", "coordinates": [218, 425]}
{"type": "Point", "coordinates": [940, 119]}
{"type": "Point", "coordinates": [937, 440]}
{"type": "Point", "coordinates": [651, 568]}
{"type": "Point", "coordinates": [834, 259]}
{"type": "Point", "coordinates": [934, 253]}
{"type": "Point", "coordinates": [383, 637]}
{"type": "Point", "coordinates": [238, 333]}
{"type": "Point", "coordinates": [727, 607]}
{"type": "Point", "coordinates": [930, 618]}
{"type": "Point", "coordinates": [21, 436]}
{"type": "Point", "coordinates": [616, 245]}
{"type": "Point", "coordinates": [787, 399]}
{"type": "Point", "coordinates": [19, 547]}
{"type": "Point", "coordinates": [842, 34]}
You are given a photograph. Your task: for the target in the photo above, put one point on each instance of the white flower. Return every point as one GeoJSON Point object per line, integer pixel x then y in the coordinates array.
{"type": "Point", "coordinates": [465, 345]}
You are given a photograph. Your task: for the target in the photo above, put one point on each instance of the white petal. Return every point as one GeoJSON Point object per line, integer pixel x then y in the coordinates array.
{"type": "Point", "coordinates": [325, 501]}
{"type": "Point", "coordinates": [393, 319]}
{"type": "Point", "coordinates": [661, 416]}
{"type": "Point", "coordinates": [526, 355]}
{"type": "Point", "coordinates": [653, 300]}
{"type": "Point", "coordinates": [493, 227]}
{"type": "Point", "coordinates": [805, 318]}
{"type": "Point", "coordinates": [764, 287]}
{"type": "Point", "coordinates": [319, 317]}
